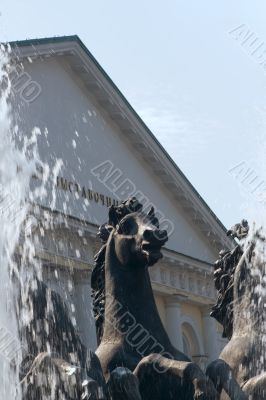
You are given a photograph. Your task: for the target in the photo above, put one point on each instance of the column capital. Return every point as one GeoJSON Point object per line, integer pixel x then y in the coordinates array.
{"type": "Point", "coordinates": [205, 310]}
{"type": "Point", "coordinates": [173, 320]}
{"type": "Point", "coordinates": [175, 300]}
{"type": "Point", "coordinates": [212, 347]}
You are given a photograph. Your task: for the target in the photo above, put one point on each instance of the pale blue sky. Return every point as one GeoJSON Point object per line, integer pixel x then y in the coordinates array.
{"type": "Point", "coordinates": [198, 89]}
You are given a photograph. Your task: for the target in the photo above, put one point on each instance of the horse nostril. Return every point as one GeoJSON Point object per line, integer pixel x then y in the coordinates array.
{"type": "Point", "coordinates": [148, 234]}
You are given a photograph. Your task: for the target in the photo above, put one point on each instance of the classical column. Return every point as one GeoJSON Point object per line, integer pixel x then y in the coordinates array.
{"type": "Point", "coordinates": [173, 321]}
{"type": "Point", "coordinates": [83, 303]}
{"type": "Point", "coordinates": [210, 335]}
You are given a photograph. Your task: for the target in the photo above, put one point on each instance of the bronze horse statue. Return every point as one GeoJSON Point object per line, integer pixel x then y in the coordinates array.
{"type": "Point", "coordinates": [129, 330]}
{"type": "Point", "coordinates": [241, 280]}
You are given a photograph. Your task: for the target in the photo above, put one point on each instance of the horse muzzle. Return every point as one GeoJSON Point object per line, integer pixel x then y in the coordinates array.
{"type": "Point", "coordinates": [155, 236]}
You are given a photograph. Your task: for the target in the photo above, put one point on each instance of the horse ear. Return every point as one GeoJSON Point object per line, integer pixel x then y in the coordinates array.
{"type": "Point", "coordinates": [151, 212]}
{"type": "Point", "coordinates": [153, 219]}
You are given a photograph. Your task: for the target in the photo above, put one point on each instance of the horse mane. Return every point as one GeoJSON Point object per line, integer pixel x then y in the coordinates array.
{"type": "Point", "coordinates": [116, 214]}
{"type": "Point", "coordinates": [98, 291]}
{"type": "Point", "coordinates": [223, 310]}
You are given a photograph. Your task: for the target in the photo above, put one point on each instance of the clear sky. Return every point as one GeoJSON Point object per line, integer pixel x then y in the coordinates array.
{"type": "Point", "coordinates": [196, 85]}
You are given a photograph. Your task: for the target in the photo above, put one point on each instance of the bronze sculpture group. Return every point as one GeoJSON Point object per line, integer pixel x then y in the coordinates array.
{"type": "Point", "coordinates": [135, 358]}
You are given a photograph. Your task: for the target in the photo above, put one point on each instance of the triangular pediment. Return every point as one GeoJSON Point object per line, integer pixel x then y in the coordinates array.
{"type": "Point", "coordinates": [106, 149]}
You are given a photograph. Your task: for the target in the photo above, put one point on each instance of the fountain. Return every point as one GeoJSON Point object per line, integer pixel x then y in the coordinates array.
{"type": "Point", "coordinates": [240, 279]}
{"type": "Point", "coordinates": [42, 354]}
{"type": "Point", "coordinates": [15, 173]}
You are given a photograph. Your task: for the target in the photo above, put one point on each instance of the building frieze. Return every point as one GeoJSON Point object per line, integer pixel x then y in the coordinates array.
{"type": "Point", "coordinates": [72, 244]}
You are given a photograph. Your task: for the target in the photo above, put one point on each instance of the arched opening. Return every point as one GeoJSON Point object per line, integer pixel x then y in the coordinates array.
{"type": "Point", "coordinates": [190, 341]}
{"type": "Point", "coordinates": [191, 346]}
{"type": "Point", "coordinates": [186, 345]}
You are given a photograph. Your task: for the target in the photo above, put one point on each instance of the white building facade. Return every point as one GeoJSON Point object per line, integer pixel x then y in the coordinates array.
{"type": "Point", "coordinates": [107, 153]}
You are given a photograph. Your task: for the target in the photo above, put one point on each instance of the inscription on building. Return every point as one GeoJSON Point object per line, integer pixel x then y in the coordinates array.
{"type": "Point", "coordinates": [85, 193]}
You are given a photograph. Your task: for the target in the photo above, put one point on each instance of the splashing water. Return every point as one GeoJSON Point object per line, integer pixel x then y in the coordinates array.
{"type": "Point", "coordinates": [17, 166]}
{"type": "Point", "coordinates": [258, 304]}
{"type": "Point", "coordinates": [250, 299]}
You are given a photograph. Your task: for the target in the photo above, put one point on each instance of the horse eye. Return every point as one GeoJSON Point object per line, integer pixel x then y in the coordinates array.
{"type": "Point", "coordinates": [128, 227]}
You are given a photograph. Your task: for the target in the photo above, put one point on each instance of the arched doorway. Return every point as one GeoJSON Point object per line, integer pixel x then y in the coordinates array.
{"type": "Point", "coordinates": [191, 344]}
{"type": "Point", "coordinates": [186, 344]}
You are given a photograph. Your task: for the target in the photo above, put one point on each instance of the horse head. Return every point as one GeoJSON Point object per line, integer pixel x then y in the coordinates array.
{"type": "Point", "coordinates": [138, 240]}
{"type": "Point", "coordinates": [136, 235]}
{"type": "Point", "coordinates": [229, 277]}
{"type": "Point", "coordinates": [135, 241]}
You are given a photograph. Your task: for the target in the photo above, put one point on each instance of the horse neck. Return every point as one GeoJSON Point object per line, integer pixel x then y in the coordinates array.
{"type": "Point", "coordinates": [128, 291]}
